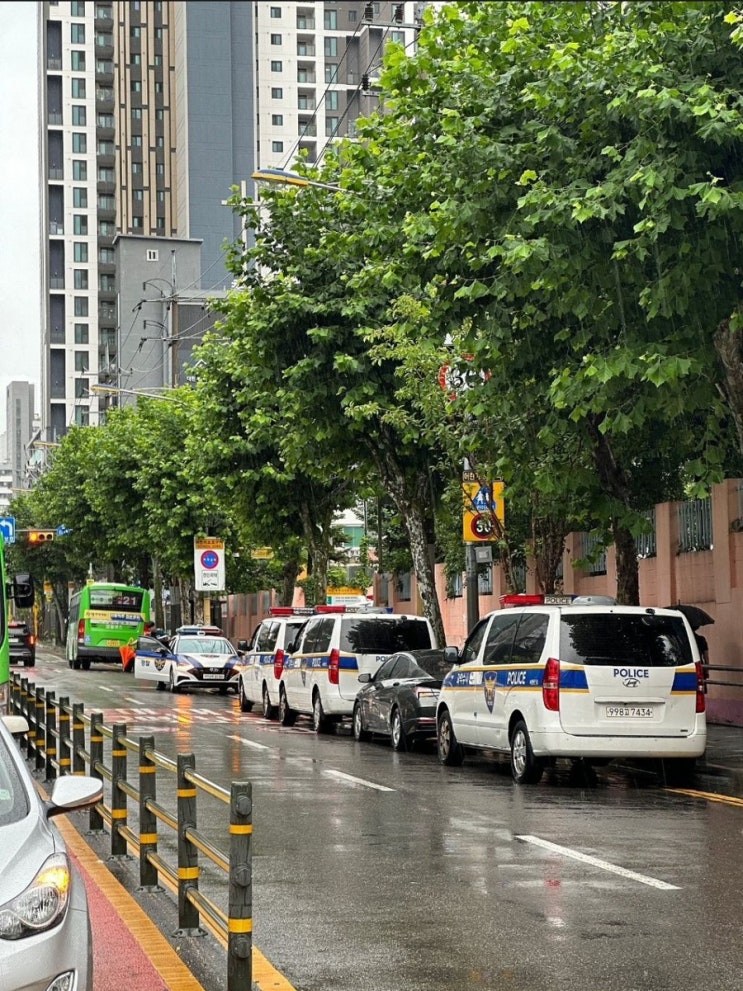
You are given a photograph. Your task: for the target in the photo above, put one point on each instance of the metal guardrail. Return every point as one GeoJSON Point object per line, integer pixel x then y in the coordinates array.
{"type": "Point", "coordinates": [712, 680]}
{"type": "Point", "coordinates": [56, 744]}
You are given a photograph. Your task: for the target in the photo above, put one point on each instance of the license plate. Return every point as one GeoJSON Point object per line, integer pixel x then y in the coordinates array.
{"type": "Point", "coordinates": [213, 676]}
{"type": "Point", "coordinates": [113, 643]}
{"type": "Point", "coordinates": [629, 712]}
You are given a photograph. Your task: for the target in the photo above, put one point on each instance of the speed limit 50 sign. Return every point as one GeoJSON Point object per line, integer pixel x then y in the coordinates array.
{"type": "Point", "coordinates": [483, 511]}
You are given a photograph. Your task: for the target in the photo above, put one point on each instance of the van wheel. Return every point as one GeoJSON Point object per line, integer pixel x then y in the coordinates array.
{"type": "Point", "coordinates": [245, 704]}
{"type": "Point", "coordinates": [287, 716]}
{"type": "Point", "coordinates": [449, 749]}
{"type": "Point", "coordinates": [525, 768]}
{"type": "Point", "coordinates": [268, 709]}
{"type": "Point", "coordinates": [399, 740]}
{"type": "Point", "coordinates": [679, 772]}
{"type": "Point", "coordinates": [359, 732]}
{"type": "Point", "coordinates": [320, 722]}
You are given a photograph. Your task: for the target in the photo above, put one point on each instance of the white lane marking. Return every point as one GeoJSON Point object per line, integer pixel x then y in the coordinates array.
{"type": "Point", "coordinates": [104, 689]}
{"type": "Point", "coordinates": [128, 698]}
{"type": "Point", "coordinates": [356, 781]}
{"type": "Point", "coordinates": [604, 865]}
{"type": "Point", "coordinates": [249, 743]}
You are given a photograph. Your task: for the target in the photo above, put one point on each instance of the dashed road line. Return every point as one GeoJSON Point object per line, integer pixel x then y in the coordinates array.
{"type": "Point", "coordinates": [603, 865]}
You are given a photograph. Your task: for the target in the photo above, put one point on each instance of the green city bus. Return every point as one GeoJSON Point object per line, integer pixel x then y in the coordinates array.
{"type": "Point", "coordinates": [21, 591]}
{"type": "Point", "coordinates": [103, 617]}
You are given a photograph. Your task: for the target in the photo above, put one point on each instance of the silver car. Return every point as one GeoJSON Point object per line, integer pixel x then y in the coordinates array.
{"type": "Point", "coordinates": [45, 937]}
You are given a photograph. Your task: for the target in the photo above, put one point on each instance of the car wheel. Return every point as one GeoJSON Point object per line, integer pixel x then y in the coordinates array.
{"type": "Point", "coordinates": [245, 704]}
{"type": "Point", "coordinates": [287, 716]}
{"type": "Point", "coordinates": [399, 740]}
{"type": "Point", "coordinates": [359, 732]}
{"type": "Point", "coordinates": [173, 687]}
{"type": "Point", "coordinates": [449, 749]}
{"type": "Point", "coordinates": [679, 772]}
{"type": "Point", "coordinates": [160, 686]}
{"type": "Point", "coordinates": [269, 711]}
{"type": "Point", "coordinates": [526, 769]}
{"type": "Point", "coordinates": [320, 722]}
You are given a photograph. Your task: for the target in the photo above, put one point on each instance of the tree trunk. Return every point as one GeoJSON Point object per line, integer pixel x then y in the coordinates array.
{"type": "Point", "coordinates": [729, 346]}
{"type": "Point", "coordinates": [615, 484]}
{"type": "Point", "coordinates": [410, 494]}
{"type": "Point", "coordinates": [288, 580]}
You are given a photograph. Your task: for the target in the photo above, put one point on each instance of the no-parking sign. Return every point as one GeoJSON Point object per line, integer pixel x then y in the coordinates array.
{"type": "Point", "coordinates": [208, 563]}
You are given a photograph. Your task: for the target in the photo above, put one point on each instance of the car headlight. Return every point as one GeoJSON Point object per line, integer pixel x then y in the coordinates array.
{"type": "Point", "coordinates": [42, 904]}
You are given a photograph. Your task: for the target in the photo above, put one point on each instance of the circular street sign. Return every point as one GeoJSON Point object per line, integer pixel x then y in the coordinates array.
{"type": "Point", "coordinates": [481, 526]}
{"type": "Point", "coordinates": [209, 559]}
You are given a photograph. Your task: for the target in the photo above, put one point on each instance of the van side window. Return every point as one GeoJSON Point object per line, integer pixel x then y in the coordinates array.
{"type": "Point", "coordinates": [531, 636]}
{"type": "Point", "coordinates": [267, 636]}
{"type": "Point", "coordinates": [500, 639]}
{"type": "Point", "coordinates": [473, 643]}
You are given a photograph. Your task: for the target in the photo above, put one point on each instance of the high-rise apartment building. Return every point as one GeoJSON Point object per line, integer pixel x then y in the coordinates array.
{"type": "Point", "coordinates": [19, 408]}
{"type": "Point", "coordinates": [151, 112]}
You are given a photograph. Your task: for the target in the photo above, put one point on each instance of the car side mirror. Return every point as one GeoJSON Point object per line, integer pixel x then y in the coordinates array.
{"type": "Point", "coordinates": [451, 655]}
{"type": "Point", "coordinates": [22, 591]}
{"type": "Point", "coordinates": [364, 677]}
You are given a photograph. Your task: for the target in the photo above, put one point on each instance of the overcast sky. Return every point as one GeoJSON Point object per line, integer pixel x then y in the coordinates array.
{"type": "Point", "coordinates": [20, 341]}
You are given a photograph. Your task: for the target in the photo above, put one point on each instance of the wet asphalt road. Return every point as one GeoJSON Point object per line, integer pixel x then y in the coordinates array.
{"type": "Point", "coordinates": [376, 871]}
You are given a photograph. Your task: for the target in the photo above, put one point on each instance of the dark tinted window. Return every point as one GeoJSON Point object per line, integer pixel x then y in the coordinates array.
{"type": "Point", "coordinates": [530, 637]}
{"type": "Point", "coordinates": [385, 671]}
{"type": "Point", "coordinates": [267, 634]}
{"type": "Point", "coordinates": [500, 638]}
{"type": "Point", "coordinates": [292, 629]}
{"type": "Point", "coordinates": [431, 664]}
{"type": "Point", "coordinates": [472, 645]}
{"type": "Point", "coordinates": [374, 635]}
{"type": "Point", "coordinates": [601, 638]}
{"type": "Point", "coordinates": [317, 636]}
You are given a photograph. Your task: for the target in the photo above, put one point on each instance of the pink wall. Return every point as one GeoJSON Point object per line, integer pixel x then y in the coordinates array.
{"type": "Point", "coordinates": [712, 579]}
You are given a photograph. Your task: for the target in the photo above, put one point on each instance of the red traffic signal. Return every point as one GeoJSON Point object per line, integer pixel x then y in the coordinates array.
{"type": "Point", "coordinates": [37, 537]}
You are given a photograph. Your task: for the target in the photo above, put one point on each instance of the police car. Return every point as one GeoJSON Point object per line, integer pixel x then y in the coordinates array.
{"type": "Point", "coordinates": [320, 676]}
{"type": "Point", "coordinates": [552, 677]}
{"type": "Point", "coordinates": [264, 659]}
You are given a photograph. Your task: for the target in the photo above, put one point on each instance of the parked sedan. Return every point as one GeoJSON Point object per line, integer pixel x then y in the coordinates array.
{"type": "Point", "coordinates": [45, 935]}
{"type": "Point", "coordinates": [399, 700]}
{"type": "Point", "coordinates": [189, 661]}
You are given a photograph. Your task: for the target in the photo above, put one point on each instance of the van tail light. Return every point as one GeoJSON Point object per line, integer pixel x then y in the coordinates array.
{"type": "Point", "coordinates": [334, 667]}
{"type": "Point", "coordinates": [278, 664]}
{"type": "Point", "coordinates": [551, 685]}
{"type": "Point", "coordinates": [701, 699]}
{"type": "Point", "coordinates": [81, 631]}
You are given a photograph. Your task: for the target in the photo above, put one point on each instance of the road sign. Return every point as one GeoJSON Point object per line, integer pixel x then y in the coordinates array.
{"type": "Point", "coordinates": [7, 528]}
{"type": "Point", "coordinates": [63, 530]}
{"type": "Point", "coordinates": [209, 570]}
{"type": "Point", "coordinates": [483, 510]}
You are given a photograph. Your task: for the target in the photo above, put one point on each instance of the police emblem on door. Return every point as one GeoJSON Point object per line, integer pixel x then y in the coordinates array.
{"type": "Point", "coordinates": [488, 687]}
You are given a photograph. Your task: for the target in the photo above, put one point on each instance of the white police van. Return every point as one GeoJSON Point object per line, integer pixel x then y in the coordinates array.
{"type": "Point", "coordinates": [557, 678]}
{"type": "Point", "coordinates": [320, 676]}
{"type": "Point", "coordinates": [263, 660]}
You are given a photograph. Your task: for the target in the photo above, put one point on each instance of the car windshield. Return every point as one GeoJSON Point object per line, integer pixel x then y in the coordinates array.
{"type": "Point", "coordinates": [623, 639]}
{"type": "Point", "coordinates": [13, 798]}
{"type": "Point", "coordinates": [375, 635]}
{"type": "Point", "coordinates": [204, 645]}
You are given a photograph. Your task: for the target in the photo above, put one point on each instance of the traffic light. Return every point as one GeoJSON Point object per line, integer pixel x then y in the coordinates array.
{"type": "Point", "coordinates": [35, 538]}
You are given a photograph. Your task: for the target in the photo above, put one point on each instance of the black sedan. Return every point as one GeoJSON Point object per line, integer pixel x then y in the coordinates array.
{"type": "Point", "coordinates": [399, 701]}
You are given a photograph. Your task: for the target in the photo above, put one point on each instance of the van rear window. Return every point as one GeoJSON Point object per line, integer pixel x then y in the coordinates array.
{"type": "Point", "coordinates": [613, 638]}
{"type": "Point", "coordinates": [372, 635]}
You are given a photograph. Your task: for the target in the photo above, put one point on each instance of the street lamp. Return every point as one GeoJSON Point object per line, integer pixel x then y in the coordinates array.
{"type": "Point", "coordinates": [141, 393]}
{"type": "Point", "coordinates": [284, 177]}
